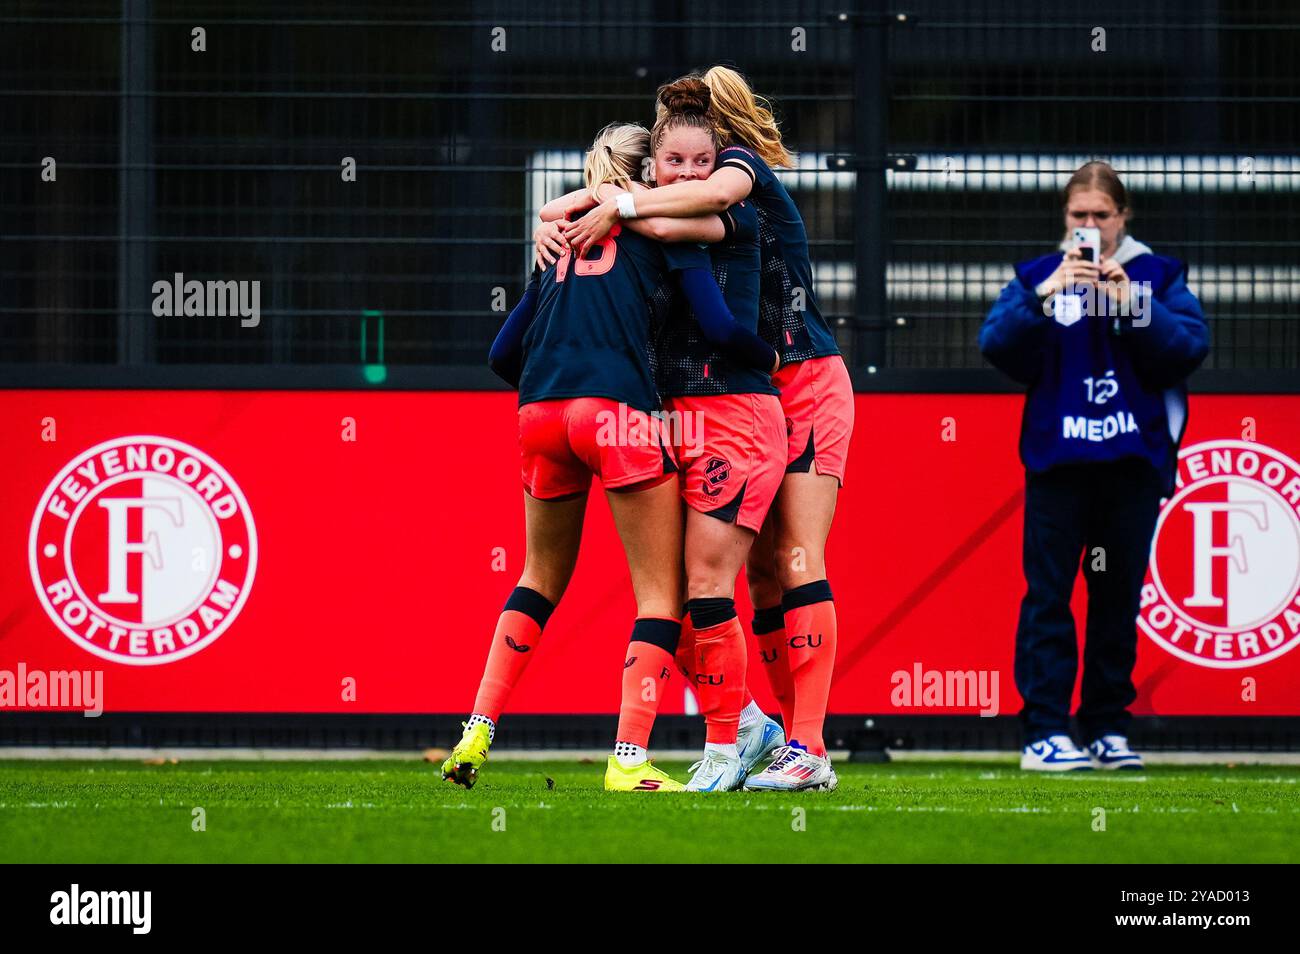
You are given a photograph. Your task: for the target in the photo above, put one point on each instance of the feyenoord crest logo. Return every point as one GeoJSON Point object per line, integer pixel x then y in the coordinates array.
{"type": "Point", "coordinates": [1223, 585]}
{"type": "Point", "coordinates": [143, 550]}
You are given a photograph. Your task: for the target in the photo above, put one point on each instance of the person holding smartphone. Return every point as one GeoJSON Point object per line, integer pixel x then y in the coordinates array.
{"type": "Point", "coordinates": [1104, 333]}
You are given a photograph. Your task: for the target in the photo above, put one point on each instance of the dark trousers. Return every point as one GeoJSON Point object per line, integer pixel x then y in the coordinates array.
{"type": "Point", "coordinates": [1071, 511]}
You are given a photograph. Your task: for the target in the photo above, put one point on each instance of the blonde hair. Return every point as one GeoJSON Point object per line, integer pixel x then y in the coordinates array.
{"type": "Point", "coordinates": [744, 118]}
{"type": "Point", "coordinates": [683, 102]}
{"type": "Point", "coordinates": [616, 156]}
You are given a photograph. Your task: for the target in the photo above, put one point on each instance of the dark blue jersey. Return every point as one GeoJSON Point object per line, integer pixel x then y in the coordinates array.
{"type": "Point", "coordinates": [797, 332]}
{"type": "Point", "coordinates": [589, 336]}
{"type": "Point", "coordinates": [686, 362]}
{"type": "Point", "coordinates": [1101, 387]}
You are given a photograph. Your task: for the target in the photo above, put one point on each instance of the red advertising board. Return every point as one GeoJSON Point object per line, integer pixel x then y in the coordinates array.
{"type": "Point", "coordinates": [347, 551]}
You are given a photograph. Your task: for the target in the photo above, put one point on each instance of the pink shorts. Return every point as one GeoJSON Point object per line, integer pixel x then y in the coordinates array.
{"type": "Point", "coordinates": [730, 449]}
{"type": "Point", "coordinates": [817, 398]}
{"type": "Point", "coordinates": [563, 442]}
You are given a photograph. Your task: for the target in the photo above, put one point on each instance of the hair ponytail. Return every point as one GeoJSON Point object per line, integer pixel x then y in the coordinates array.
{"type": "Point", "coordinates": [744, 118]}
{"type": "Point", "coordinates": [616, 156]}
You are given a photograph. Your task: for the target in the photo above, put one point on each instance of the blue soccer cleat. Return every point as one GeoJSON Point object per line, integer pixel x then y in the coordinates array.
{"type": "Point", "coordinates": [758, 743]}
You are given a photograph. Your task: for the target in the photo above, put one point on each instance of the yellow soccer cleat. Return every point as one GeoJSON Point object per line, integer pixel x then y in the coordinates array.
{"type": "Point", "coordinates": [644, 778]}
{"type": "Point", "coordinates": [468, 756]}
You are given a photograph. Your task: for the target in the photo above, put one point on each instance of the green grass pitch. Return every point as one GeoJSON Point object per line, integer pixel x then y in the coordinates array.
{"type": "Point", "coordinates": [65, 811]}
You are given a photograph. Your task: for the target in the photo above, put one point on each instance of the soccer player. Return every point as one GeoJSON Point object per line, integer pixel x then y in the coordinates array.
{"type": "Point", "coordinates": [794, 617]}
{"type": "Point", "coordinates": [730, 477]}
{"type": "Point", "coordinates": [576, 347]}
{"type": "Point", "coordinates": [686, 150]}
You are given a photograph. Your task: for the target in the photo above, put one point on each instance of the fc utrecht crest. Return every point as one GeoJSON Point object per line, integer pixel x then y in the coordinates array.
{"type": "Point", "coordinates": [143, 550]}
{"type": "Point", "coordinates": [1223, 585]}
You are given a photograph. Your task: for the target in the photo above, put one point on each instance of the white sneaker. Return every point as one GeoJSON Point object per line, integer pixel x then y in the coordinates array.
{"type": "Point", "coordinates": [1112, 752]}
{"type": "Point", "coordinates": [716, 773]}
{"type": "Point", "coordinates": [1056, 753]}
{"type": "Point", "coordinates": [794, 770]}
{"type": "Point", "coordinates": [758, 743]}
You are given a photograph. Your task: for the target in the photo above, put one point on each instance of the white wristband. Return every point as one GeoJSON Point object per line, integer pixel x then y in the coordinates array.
{"type": "Point", "coordinates": [626, 207]}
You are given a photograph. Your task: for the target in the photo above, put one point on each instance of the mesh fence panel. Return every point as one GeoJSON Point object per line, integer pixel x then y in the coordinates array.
{"type": "Point", "coordinates": [226, 164]}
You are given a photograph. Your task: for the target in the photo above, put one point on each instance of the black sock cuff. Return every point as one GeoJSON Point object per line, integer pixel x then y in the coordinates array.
{"type": "Point", "coordinates": [768, 620]}
{"type": "Point", "coordinates": [531, 603]}
{"type": "Point", "coordinates": [664, 633]}
{"type": "Point", "coordinates": [710, 611]}
{"type": "Point", "coordinates": [818, 591]}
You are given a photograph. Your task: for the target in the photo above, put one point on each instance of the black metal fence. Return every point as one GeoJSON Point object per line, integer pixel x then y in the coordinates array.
{"type": "Point", "coordinates": [141, 139]}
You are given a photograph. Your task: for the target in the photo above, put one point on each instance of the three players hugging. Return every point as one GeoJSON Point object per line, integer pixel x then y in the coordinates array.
{"type": "Point", "coordinates": [677, 284]}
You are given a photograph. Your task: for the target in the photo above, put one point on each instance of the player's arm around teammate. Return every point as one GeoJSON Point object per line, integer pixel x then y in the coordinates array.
{"type": "Point", "coordinates": [795, 619]}
{"type": "Point", "coordinates": [695, 279]}
{"type": "Point", "coordinates": [568, 394]}
{"type": "Point", "coordinates": [550, 238]}
{"type": "Point", "coordinates": [733, 466]}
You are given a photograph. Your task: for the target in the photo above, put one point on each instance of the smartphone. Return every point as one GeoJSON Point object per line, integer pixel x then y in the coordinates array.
{"type": "Point", "coordinates": [1088, 241]}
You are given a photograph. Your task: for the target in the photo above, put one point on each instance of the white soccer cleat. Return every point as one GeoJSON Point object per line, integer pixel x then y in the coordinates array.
{"type": "Point", "coordinates": [1112, 752]}
{"type": "Point", "coordinates": [758, 743]}
{"type": "Point", "coordinates": [794, 769]}
{"type": "Point", "coordinates": [1056, 753]}
{"type": "Point", "coordinates": [716, 773]}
